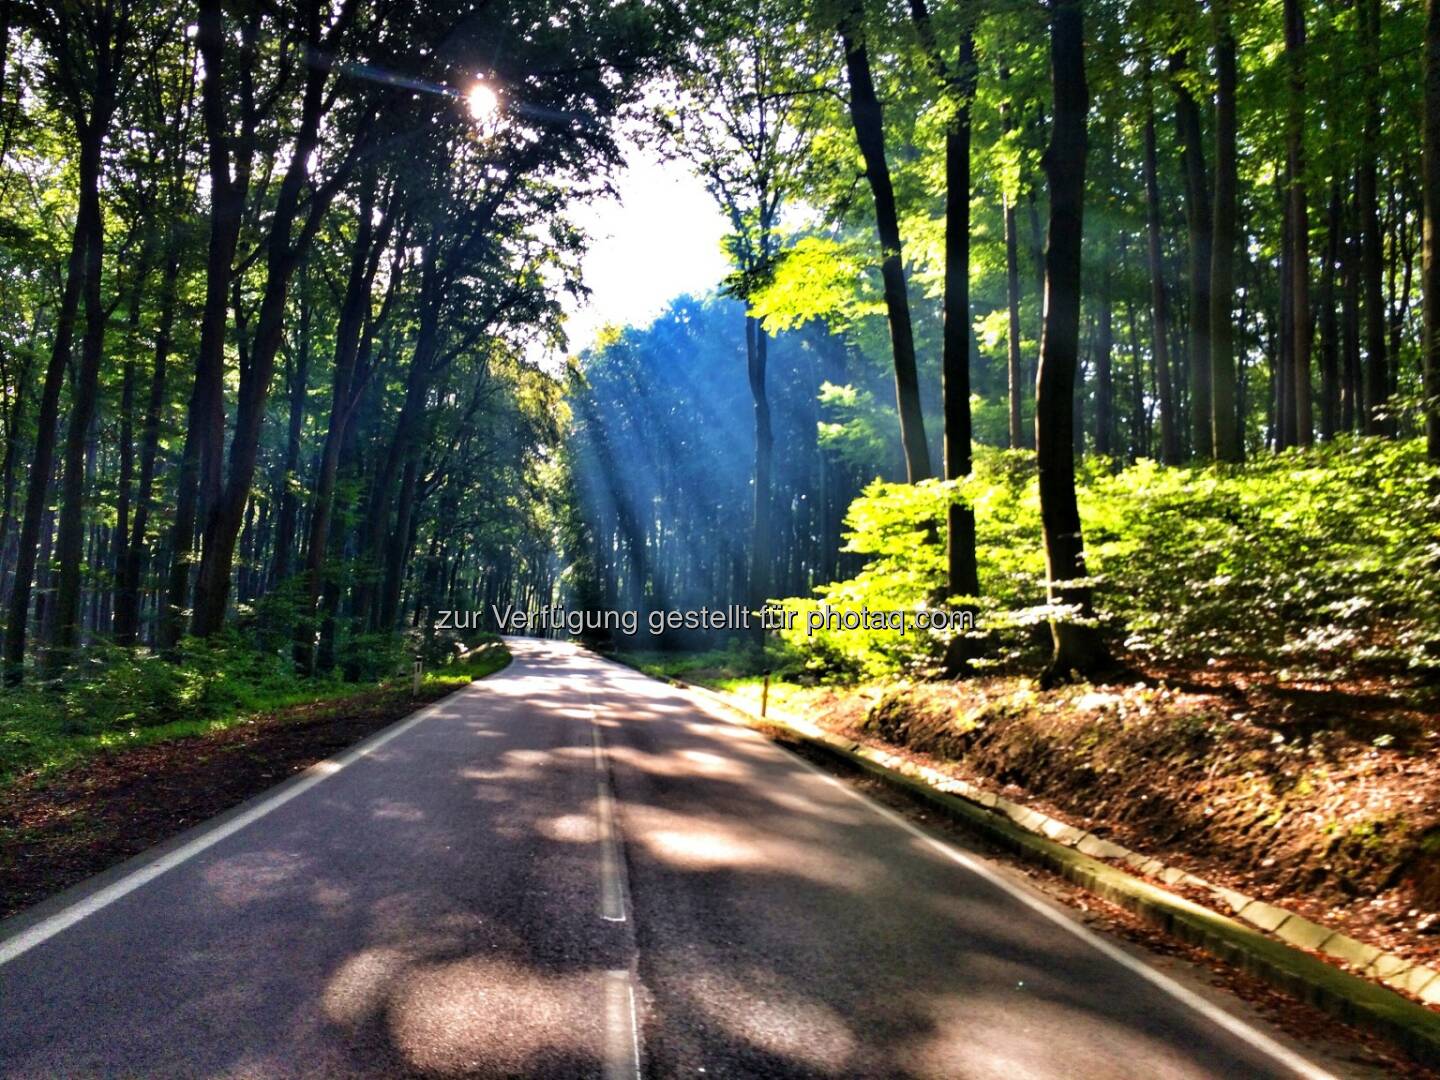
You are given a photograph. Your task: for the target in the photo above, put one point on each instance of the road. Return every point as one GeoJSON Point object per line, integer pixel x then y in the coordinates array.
{"type": "Point", "coordinates": [571, 870]}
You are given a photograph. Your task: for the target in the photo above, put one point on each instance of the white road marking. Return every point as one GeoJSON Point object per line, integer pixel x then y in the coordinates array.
{"type": "Point", "coordinates": [1243, 1031]}
{"type": "Point", "coordinates": [612, 886]}
{"type": "Point", "coordinates": [62, 920]}
{"type": "Point", "coordinates": [622, 1037]}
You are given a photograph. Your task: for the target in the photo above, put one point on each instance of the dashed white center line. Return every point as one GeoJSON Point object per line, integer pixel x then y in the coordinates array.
{"type": "Point", "coordinates": [622, 1038]}
{"type": "Point", "coordinates": [612, 883]}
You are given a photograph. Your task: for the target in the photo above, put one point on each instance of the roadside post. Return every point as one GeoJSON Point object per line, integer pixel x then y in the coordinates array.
{"type": "Point", "coordinates": [765, 693]}
{"type": "Point", "coordinates": [416, 671]}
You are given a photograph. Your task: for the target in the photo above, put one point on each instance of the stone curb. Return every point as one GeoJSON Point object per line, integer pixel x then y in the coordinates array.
{"type": "Point", "coordinates": [1270, 947]}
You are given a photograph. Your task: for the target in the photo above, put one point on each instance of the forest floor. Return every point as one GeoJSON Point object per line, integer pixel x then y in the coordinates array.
{"type": "Point", "coordinates": [60, 826]}
{"type": "Point", "coordinates": [1322, 798]}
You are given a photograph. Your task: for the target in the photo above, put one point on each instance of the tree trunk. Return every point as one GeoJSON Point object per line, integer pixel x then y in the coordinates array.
{"type": "Point", "coordinates": [1198, 204]}
{"type": "Point", "coordinates": [1352, 394]}
{"type": "Point", "coordinates": [132, 558]}
{"type": "Point", "coordinates": [1014, 369]}
{"type": "Point", "coordinates": [1159, 311]}
{"type": "Point", "coordinates": [756, 354]}
{"type": "Point", "coordinates": [1431, 257]}
{"type": "Point", "coordinates": [1079, 649]}
{"type": "Point", "coordinates": [1299, 224]}
{"type": "Point", "coordinates": [288, 502]}
{"type": "Point", "coordinates": [1372, 268]}
{"type": "Point", "coordinates": [223, 523]}
{"type": "Point", "coordinates": [1228, 439]}
{"type": "Point", "coordinates": [46, 422]}
{"type": "Point", "coordinates": [1104, 379]}
{"type": "Point", "coordinates": [1329, 324]}
{"type": "Point", "coordinates": [868, 121]}
{"type": "Point", "coordinates": [962, 572]}
{"type": "Point", "coordinates": [200, 462]}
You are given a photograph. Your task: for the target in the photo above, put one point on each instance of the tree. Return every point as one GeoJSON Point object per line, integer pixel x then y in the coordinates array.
{"type": "Point", "coordinates": [1431, 271]}
{"type": "Point", "coordinates": [1301, 426]}
{"type": "Point", "coordinates": [958, 80]}
{"type": "Point", "coordinates": [1078, 647]}
{"type": "Point", "coordinates": [1159, 300]}
{"type": "Point", "coordinates": [1227, 435]}
{"type": "Point", "coordinates": [1198, 207]}
{"type": "Point", "coordinates": [867, 118]}
{"type": "Point", "coordinates": [745, 123]}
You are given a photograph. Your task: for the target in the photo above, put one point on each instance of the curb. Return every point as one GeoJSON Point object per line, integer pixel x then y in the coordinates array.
{"type": "Point", "coordinates": [1072, 854]}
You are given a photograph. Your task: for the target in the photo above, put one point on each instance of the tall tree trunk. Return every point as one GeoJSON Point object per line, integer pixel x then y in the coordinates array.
{"type": "Point", "coordinates": [867, 118]}
{"type": "Point", "coordinates": [200, 474]}
{"type": "Point", "coordinates": [46, 422]}
{"type": "Point", "coordinates": [1225, 423]}
{"type": "Point", "coordinates": [288, 503]}
{"type": "Point", "coordinates": [1372, 268]}
{"type": "Point", "coordinates": [1198, 206]}
{"type": "Point", "coordinates": [1299, 223]}
{"type": "Point", "coordinates": [756, 355]}
{"type": "Point", "coordinates": [1329, 323]}
{"type": "Point", "coordinates": [1079, 649]}
{"type": "Point", "coordinates": [962, 572]}
{"type": "Point", "coordinates": [132, 559]}
{"type": "Point", "coordinates": [1431, 265]}
{"type": "Point", "coordinates": [1014, 369]}
{"type": "Point", "coordinates": [283, 252]}
{"type": "Point", "coordinates": [1104, 380]}
{"type": "Point", "coordinates": [353, 341]}
{"type": "Point", "coordinates": [1159, 309]}
{"type": "Point", "coordinates": [1352, 393]}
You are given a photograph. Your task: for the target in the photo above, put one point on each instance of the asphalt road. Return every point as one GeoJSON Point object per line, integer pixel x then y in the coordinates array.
{"type": "Point", "coordinates": [571, 870]}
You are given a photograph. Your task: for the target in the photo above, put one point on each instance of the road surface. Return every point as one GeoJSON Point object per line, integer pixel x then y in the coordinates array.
{"type": "Point", "coordinates": [571, 870]}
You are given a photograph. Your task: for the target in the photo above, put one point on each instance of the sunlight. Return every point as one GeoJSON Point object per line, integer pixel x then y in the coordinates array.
{"type": "Point", "coordinates": [482, 101]}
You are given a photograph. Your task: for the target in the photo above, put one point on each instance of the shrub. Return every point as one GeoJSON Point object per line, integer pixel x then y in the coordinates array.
{"type": "Point", "coordinates": [1309, 560]}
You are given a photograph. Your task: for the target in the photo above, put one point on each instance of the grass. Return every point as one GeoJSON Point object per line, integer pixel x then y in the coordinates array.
{"type": "Point", "coordinates": [122, 700]}
{"type": "Point", "coordinates": [737, 671]}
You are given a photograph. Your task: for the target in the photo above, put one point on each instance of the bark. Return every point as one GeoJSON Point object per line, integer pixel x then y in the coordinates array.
{"type": "Point", "coordinates": [200, 463]}
{"type": "Point", "coordinates": [1104, 378]}
{"type": "Point", "coordinates": [1159, 308]}
{"type": "Point", "coordinates": [346, 385]}
{"type": "Point", "coordinates": [1299, 224]}
{"type": "Point", "coordinates": [133, 555]}
{"type": "Point", "coordinates": [70, 538]}
{"type": "Point", "coordinates": [1377, 377]}
{"type": "Point", "coordinates": [288, 503]}
{"type": "Point", "coordinates": [1430, 266]}
{"type": "Point", "coordinates": [867, 119]}
{"type": "Point", "coordinates": [1227, 437]}
{"type": "Point", "coordinates": [1329, 323]}
{"type": "Point", "coordinates": [1014, 369]}
{"type": "Point", "coordinates": [46, 423]}
{"type": "Point", "coordinates": [756, 356]}
{"type": "Point", "coordinates": [1198, 206]}
{"type": "Point", "coordinates": [1352, 385]}
{"type": "Point", "coordinates": [962, 572]}
{"type": "Point", "coordinates": [1079, 649]}
{"type": "Point", "coordinates": [283, 252]}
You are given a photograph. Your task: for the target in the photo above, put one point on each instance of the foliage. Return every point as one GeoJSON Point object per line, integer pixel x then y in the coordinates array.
{"type": "Point", "coordinates": [120, 698]}
{"type": "Point", "coordinates": [1320, 562]}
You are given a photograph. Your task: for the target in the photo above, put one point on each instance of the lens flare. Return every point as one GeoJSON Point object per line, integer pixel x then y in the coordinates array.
{"type": "Point", "coordinates": [483, 101]}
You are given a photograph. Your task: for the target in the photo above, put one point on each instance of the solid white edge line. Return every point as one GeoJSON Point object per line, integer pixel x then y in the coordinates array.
{"type": "Point", "coordinates": [1243, 1031]}
{"type": "Point", "coordinates": [62, 920]}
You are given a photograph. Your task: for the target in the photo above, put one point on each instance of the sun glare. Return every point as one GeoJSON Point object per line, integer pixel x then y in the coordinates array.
{"type": "Point", "coordinates": [483, 101]}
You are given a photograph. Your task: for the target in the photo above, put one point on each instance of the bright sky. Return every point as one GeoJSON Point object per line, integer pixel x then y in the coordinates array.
{"type": "Point", "coordinates": [659, 240]}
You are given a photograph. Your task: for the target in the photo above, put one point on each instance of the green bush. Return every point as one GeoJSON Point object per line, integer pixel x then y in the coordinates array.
{"type": "Point", "coordinates": [1307, 560]}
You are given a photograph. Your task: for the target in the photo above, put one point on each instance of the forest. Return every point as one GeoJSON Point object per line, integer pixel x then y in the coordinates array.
{"type": "Point", "coordinates": [275, 279]}
{"type": "Point", "coordinates": [1107, 329]}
